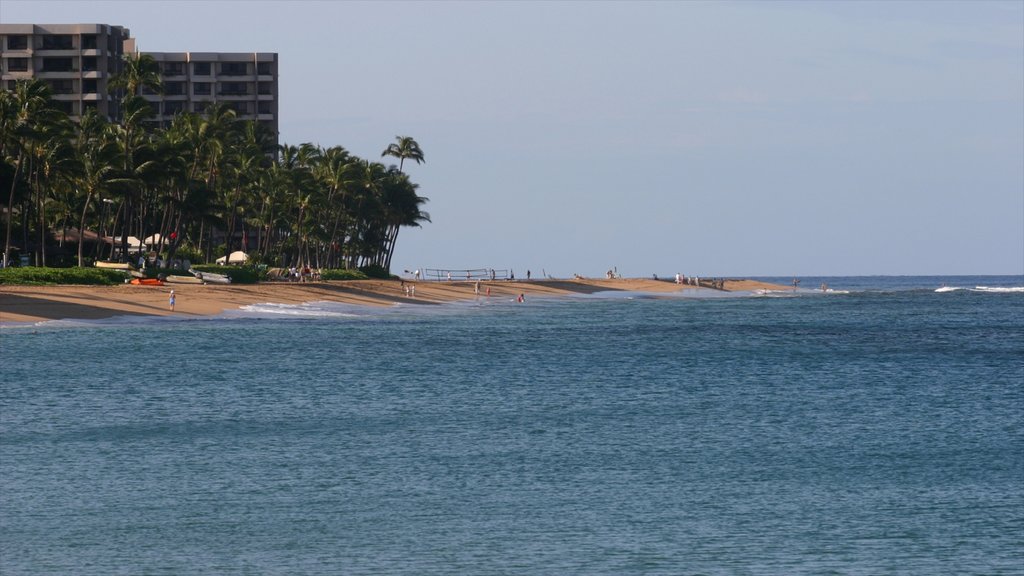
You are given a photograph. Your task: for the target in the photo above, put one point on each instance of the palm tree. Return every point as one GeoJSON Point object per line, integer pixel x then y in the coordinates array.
{"type": "Point", "coordinates": [98, 155]}
{"type": "Point", "coordinates": [138, 163]}
{"type": "Point", "coordinates": [25, 114]}
{"type": "Point", "coordinates": [140, 71]}
{"type": "Point", "coordinates": [401, 207]}
{"type": "Point", "coordinates": [404, 147]}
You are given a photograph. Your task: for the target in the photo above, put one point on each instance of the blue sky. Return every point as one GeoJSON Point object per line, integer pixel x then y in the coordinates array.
{"type": "Point", "coordinates": [712, 139]}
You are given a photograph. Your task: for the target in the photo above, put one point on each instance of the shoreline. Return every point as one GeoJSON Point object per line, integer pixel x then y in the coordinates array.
{"type": "Point", "coordinates": [29, 304]}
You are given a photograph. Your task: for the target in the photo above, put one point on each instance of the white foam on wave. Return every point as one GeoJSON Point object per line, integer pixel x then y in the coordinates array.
{"type": "Point", "coordinates": [998, 289]}
{"type": "Point", "coordinates": [304, 310]}
{"type": "Point", "coordinates": [983, 289]}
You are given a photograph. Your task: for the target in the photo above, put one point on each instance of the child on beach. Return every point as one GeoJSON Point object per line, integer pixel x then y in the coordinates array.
{"type": "Point", "coordinates": [171, 300]}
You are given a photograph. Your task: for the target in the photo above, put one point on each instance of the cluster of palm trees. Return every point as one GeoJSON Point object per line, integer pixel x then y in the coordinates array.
{"type": "Point", "coordinates": [206, 184]}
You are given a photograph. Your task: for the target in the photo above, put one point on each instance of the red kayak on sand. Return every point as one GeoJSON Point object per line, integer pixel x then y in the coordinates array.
{"type": "Point", "coordinates": [147, 282]}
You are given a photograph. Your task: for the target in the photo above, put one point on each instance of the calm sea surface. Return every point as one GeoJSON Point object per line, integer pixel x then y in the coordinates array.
{"type": "Point", "coordinates": [875, 429]}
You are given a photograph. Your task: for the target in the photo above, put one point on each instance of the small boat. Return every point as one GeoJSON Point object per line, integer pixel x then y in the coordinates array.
{"type": "Point", "coordinates": [182, 280]}
{"type": "Point", "coordinates": [115, 265]}
{"type": "Point", "coordinates": [212, 277]}
{"type": "Point", "coordinates": [147, 282]}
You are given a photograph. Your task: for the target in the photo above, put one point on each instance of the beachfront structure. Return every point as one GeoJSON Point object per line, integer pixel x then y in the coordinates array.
{"type": "Point", "coordinates": [78, 61]}
{"type": "Point", "coordinates": [246, 82]}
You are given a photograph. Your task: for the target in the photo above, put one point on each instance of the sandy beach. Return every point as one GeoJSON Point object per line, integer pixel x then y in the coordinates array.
{"type": "Point", "coordinates": [40, 303]}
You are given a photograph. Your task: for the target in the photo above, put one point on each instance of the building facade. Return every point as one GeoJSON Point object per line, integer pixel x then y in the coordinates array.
{"type": "Point", "coordinates": [78, 61]}
{"type": "Point", "coordinates": [246, 82]}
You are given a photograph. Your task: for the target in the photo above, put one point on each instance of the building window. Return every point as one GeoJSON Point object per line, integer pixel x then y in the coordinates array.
{"type": "Point", "coordinates": [234, 69]}
{"type": "Point", "coordinates": [62, 87]}
{"type": "Point", "coordinates": [234, 89]}
{"type": "Point", "coordinates": [172, 108]}
{"type": "Point", "coordinates": [65, 106]}
{"type": "Point", "coordinates": [200, 107]}
{"type": "Point", "coordinates": [174, 69]}
{"type": "Point", "coordinates": [17, 64]}
{"type": "Point", "coordinates": [88, 41]}
{"type": "Point", "coordinates": [201, 68]}
{"type": "Point", "coordinates": [57, 65]}
{"type": "Point", "coordinates": [89, 86]}
{"type": "Point", "coordinates": [89, 63]}
{"type": "Point", "coordinates": [201, 88]}
{"type": "Point", "coordinates": [17, 42]}
{"type": "Point", "coordinates": [240, 108]}
{"type": "Point", "coordinates": [265, 88]}
{"type": "Point", "coordinates": [266, 107]}
{"type": "Point", "coordinates": [57, 42]}
{"type": "Point", "coordinates": [90, 105]}
{"type": "Point", "coordinates": [263, 69]}
{"type": "Point", "coordinates": [174, 88]}
{"type": "Point", "coordinates": [12, 85]}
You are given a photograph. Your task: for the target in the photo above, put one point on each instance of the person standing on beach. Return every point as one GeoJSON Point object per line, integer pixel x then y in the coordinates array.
{"type": "Point", "coordinates": [171, 300]}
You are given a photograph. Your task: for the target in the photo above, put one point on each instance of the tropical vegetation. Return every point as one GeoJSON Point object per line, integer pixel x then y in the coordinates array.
{"type": "Point", "coordinates": [200, 187]}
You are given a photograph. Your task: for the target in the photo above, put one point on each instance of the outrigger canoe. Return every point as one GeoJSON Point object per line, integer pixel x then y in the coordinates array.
{"type": "Point", "coordinates": [182, 280]}
{"type": "Point", "coordinates": [115, 265]}
{"type": "Point", "coordinates": [212, 277]}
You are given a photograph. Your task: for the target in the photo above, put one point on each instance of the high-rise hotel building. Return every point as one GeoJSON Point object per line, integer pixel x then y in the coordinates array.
{"type": "Point", "coordinates": [78, 61]}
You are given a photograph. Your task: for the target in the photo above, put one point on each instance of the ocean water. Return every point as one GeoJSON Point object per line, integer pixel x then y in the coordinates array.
{"type": "Point", "coordinates": [874, 429]}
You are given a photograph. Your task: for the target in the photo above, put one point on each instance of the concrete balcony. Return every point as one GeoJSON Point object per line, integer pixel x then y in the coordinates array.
{"type": "Point", "coordinates": [62, 75]}
{"type": "Point", "coordinates": [57, 52]}
{"type": "Point", "coordinates": [233, 96]}
{"type": "Point", "coordinates": [229, 78]}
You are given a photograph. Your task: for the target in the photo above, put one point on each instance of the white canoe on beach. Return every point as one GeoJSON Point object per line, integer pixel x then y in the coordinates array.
{"type": "Point", "coordinates": [212, 277]}
{"type": "Point", "coordinates": [183, 280]}
{"type": "Point", "coordinates": [114, 265]}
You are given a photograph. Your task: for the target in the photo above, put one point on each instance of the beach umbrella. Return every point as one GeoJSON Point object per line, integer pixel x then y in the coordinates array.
{"type": "Point", "coordinates": [236, 257]}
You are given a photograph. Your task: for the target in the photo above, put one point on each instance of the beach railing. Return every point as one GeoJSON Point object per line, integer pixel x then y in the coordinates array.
{"type": "Point", "coordinates": [467, 275]}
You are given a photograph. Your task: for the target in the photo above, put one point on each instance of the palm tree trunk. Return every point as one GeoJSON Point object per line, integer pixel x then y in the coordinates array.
{"type": "Point", "coordinates": [10, 210]}
{"type": "Point", "coordinates": [81, 227]}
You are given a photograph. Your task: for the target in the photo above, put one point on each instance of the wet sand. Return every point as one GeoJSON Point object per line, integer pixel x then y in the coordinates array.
{"type": "Point", "coordinates": [40, 303]}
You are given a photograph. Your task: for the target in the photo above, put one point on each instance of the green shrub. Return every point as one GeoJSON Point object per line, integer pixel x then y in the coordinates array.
{"type": "Point", "coordinates": [238, 274]}
{"type": "Point", "coordinates": [33, 275]}
{"type": "Point", "coordinates": [375, 271]}
{"type": "Point", "coordinates": [342, 274]}
{"type": "Point", "coordinates": [189, 253]}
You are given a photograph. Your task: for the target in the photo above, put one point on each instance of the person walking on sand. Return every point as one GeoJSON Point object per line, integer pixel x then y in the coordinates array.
{"type": "Point", "coordinates": [171, 300]}
{"type": "Point", "coordinates": [476, 288]}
